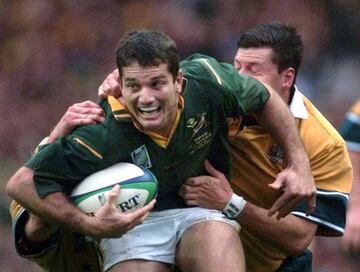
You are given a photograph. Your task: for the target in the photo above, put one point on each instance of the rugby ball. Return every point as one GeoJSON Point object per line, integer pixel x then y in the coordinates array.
{"type": "Point", "coordinates": [138, 186]}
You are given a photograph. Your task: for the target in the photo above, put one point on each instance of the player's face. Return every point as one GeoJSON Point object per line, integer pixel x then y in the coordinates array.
{"type": "Point", "coordinates": [151, 95]}
{"type": "Point", "coordinates": [257, 62]}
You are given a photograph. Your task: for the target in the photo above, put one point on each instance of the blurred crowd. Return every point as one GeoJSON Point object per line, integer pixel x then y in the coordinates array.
{"type": "Point", "coordinates": [56, 52]}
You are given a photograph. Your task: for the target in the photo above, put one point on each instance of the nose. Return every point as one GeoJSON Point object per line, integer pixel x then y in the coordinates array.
{"type": "Point", "coordinates": [146, 96]}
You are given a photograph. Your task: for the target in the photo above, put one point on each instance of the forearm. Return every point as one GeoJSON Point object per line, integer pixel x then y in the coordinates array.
{"type": "Point", "coordinates": [276, 118]}
{"type": "Point", "coordinates": [291, 234]}
{"type": "Point", "coordinates": [36, 230]}
{"type": "Point", "coordinates": [353, 210]}
{"type": "Point", "coordinates": [354, 200]}
{"type": "Point", "coordinates": [54, 209]}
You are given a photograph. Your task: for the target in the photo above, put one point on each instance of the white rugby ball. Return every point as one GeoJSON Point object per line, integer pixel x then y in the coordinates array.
{"type": "Point", "coordinates": [138, 186]}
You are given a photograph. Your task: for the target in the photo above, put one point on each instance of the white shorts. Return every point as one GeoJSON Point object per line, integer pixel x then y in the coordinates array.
{"type": "Point", "coordinates": [156, 238]}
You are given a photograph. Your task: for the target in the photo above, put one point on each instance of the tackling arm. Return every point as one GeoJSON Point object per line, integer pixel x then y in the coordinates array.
{"type": "Point", "coordinates": [351, 239]}
{"type": "Point", "coordinates": [295, 180]}
{"type": "Point", "coordinates": [292, 235]}
{"type": "Point", "coordinates": [214, 192]}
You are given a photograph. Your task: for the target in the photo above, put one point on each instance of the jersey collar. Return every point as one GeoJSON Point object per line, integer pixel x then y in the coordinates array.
{"type": "Point", "coordinates": [297, 105]}
{"type": "Point", "coordinates": [121, 114]}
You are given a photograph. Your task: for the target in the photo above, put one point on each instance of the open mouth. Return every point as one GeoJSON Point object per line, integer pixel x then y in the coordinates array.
{"type": "Point", "coordinates": [149, 110]}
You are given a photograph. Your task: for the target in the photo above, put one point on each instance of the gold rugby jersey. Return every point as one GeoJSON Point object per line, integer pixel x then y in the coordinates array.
{"type": "Point", "coordinates": [257, 159]}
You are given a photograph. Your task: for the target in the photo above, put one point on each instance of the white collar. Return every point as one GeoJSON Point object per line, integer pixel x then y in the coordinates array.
{"type": "Point", "coordinates": [297, 106]}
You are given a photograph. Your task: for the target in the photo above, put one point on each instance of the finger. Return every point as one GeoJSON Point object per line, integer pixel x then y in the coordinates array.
{"type": "Point", "coordinates": [288, 207]}
{"type": "Point", "coordinates": [311, 204]}
{"type": "Point", "coordinates": [116, 74]}
{"type": "Point", "coordinates": [89, 121]}
{"type": "Point", "coordinates": [88, 103]}
{"type": "Point", "coordinates": [82, 121]}
{"type": "Point", "coordinates": [190, 188]}
{"type": "Point", "coordinates": [278, 184]}
{"type": "Point", "coordinates": [191, 202]}
{"type": "Point", "coordinates": [195, 181]}
{"type": "Point", "coordinates": [139, 220]}
{"type": "Point", "coordinates": [103, 90]}
{"type": "Point", "coordinates": [91, 109]}
{"type": "Point", "coordinates": [188, 192]}
{"type": "Point", "coordinates": [151, 204]}
{"type": "Point", "coordinates": [277, 205]}
{"type": "Point", "coordinates": [181, 191]}
{"type": "Point", "coordinates": [94, 117]}
{"type": "Point", "coordinates": [191, 197]}
{"type": "Point", "coordinates": [79, 107]}
{"type": "Point", "coordinates": [142, 212]}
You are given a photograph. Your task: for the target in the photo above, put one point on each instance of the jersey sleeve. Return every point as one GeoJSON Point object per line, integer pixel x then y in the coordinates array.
{"type": "Point", "coordinates": [332, 173]}
{"type": "Point", "coordinates": [350, 128]}
{"type": "Point", "coordinates": [59, 166]}
{"type": "Point", "coordinates": [64, 250]}
{"type": "Point", "coordinates": [19, 217]}
{"type": "Point", "coordinates": [244, 93]}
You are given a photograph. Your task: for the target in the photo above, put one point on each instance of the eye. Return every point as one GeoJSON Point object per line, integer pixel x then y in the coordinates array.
{"type": "Point", "coordinates": [253, 69]}
{"type": "Point", "coordinates": [132, 86]}
{"type": "Point", "coordinates": [237, 66]}
{"type": "Point", "coordinates": [157, 84]}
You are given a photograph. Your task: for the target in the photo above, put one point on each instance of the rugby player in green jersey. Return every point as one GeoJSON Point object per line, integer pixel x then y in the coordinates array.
{"type": "Point", "coordinates": [272, 53]}
{"type": "Point", "coordinates": [176, 119]}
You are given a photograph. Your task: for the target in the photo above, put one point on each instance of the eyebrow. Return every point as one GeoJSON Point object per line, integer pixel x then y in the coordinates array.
{"type": "Point", "coordinates": [248, 62]}
{"type": "Point", "coordinates": [129, 79]}
{"type": "Point", "coordinates": [158, 77]}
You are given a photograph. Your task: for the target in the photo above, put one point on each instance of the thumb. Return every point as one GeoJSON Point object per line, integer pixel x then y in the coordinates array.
{"type": "Point", "coordinates": [113, 195]}
{"type": "Point", "coordinates": [278, 184]}
{"type": "Point", "coordinates": [212, 171]}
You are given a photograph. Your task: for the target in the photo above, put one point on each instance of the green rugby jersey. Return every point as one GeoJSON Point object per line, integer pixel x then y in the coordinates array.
{"type": "Point", "coordinates": [213, 92]}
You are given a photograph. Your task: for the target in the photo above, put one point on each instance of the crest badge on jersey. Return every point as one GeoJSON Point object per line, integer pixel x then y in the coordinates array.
{"type": "Point", "coordinates": [196, 123]}
{"type": "Point", "coordinates": [201, 135]}
{"type": "Point", "coordinates": [140, 156]}
{"type": "Point", "coordinates": [276, 155]}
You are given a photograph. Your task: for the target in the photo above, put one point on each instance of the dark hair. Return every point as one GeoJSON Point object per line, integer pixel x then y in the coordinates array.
{"type": "Point", "coordinates": [284, 40]}
{"type": "Point", "coordinates": [148, 48]}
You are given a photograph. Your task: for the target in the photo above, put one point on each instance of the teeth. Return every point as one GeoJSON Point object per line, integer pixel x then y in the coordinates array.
{"type": "Point", "coordinates": [149, 109]}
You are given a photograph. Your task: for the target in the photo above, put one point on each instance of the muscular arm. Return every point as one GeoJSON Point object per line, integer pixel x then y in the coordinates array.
{"type": "Point", "coordinates": [292, 234]}
{"type": "Point", "coordinates": [295, 180]}
{"type": "Point", "coordinates": [36, 230]}
{"type": "Point", "coordinates": [351, 239]}
{"type": "Point", "coordinates": [214, 192]}
{"type": "Point", "coordinates": [55, 208]}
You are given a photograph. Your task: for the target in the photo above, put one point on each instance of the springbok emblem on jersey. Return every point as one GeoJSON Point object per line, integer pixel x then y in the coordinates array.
{"type": "Point", "coordinates": [196, 123]}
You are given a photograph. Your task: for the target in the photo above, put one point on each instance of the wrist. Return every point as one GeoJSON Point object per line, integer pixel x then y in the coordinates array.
{"type": "Point", "coordinates": [53, 136]}
{"type": "Point", "coordinates": [38, 231]}
{"type": "Point", "coordinates": [88, 226]}
{"type": "Point", "coordinates": [234, 207]}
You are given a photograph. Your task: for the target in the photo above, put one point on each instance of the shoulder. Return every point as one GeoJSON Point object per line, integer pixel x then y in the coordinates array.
{"type": "Point", "coordinates": [204, 67]}
{"type": "Point", "coordinates": [317, 131]}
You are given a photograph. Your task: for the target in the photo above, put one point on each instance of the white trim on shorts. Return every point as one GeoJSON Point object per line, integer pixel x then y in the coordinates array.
{"type": "Point", "coordinates": [156, 238]}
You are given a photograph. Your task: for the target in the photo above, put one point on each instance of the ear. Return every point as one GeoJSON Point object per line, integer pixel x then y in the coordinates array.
{"type": "Point", "coordinates": [179, 80]}
{"type": "Point", "coordinates": [288, 77]}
